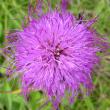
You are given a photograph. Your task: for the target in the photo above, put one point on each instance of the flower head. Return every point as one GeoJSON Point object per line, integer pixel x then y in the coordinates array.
{"type": "Point", "coordinates": [56, 53]}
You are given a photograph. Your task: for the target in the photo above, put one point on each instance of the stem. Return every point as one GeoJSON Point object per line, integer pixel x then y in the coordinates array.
{"type": "Point", "coordinates": [11, 92]}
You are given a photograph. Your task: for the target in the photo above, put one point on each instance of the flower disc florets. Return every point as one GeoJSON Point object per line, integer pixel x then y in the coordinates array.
{"type": "Point", "coordinates": [56, 53]}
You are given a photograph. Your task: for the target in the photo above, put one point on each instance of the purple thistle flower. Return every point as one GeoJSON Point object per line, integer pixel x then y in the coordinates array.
{"type": "Point", "coordinates": [56, 53]}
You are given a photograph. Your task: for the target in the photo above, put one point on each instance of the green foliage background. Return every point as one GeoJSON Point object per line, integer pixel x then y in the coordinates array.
{"type": "Point", "coordinates": [12, 13]}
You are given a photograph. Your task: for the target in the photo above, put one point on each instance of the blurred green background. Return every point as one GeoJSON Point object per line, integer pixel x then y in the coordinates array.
{"type": "Point", "coordinates": [12, 13]}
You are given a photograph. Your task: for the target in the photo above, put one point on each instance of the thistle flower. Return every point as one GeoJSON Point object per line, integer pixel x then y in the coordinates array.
{"type": "Point", "coordinates": [56, 53]}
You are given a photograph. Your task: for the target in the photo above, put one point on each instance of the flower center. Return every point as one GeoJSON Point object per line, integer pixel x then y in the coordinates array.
{"type": "Point", "coordinates": [57, 53]}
